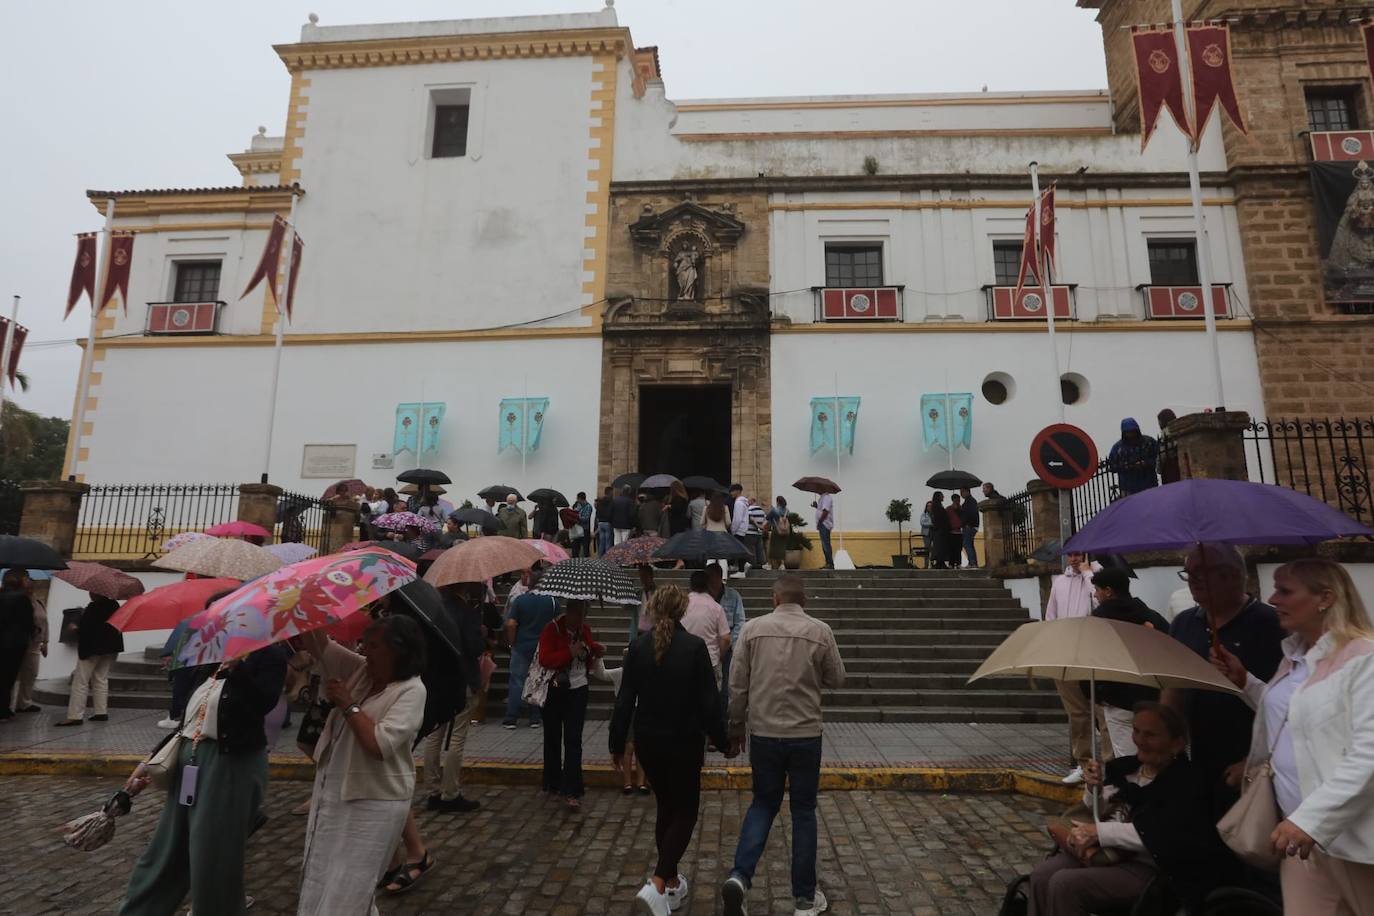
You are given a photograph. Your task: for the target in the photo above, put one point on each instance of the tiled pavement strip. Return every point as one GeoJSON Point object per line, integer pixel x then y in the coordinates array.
{"type": "Point", "coordinates": [1026, 747]}
{"type": "Point", "coordinates": [888, 852]}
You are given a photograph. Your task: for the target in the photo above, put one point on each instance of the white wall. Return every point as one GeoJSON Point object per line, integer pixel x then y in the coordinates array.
{"type": "Point", "coordinates": [1027, 591]}
{"type": "Point", "coordinates": [199, 414]}
{"type": "Point", "coordinates": [61, 660]}
{"type": "Point", "coordinates": [1129, 374]}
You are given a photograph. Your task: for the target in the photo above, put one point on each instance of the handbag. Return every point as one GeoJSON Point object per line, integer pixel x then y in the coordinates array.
{"type": "Point", "coordinates": [162, 763]}
{"type": "Point", "coordinates": [1250, 823]}
{"type": "Point", "coordinates": [537, 682]}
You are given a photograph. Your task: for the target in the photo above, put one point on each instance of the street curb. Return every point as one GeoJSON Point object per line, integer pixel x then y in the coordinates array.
{"type": "Point", "coordinates": [493, 773]}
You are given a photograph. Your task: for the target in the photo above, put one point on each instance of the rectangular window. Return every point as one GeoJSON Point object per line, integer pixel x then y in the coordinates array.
{"type": "Point", "coordinates": [196, 281]}
{"type": "Point", "coordinates": [1331, 109]}
{"type": "Point", "coordinates": [450, 131]}
{"type": "Point", "coordinates": [1173, 262]}
{"type": "Point", "coordinates": [853, 265]}
{"type": "Point", "coordinates": [1006, 262]}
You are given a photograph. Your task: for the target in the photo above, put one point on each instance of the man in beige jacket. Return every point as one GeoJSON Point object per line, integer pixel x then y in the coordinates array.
{"type": "Point", "coordinates": [782, 663]}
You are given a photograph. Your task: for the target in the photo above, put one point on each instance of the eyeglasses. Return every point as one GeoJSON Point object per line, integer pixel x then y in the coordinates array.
{"type": "Point", "coordinates": [1183, 574]}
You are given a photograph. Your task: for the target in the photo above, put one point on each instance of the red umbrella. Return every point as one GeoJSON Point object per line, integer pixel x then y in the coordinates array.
{"type": "Point", "coordinates": [238, 529]}
{"type": "Point", "coordinates": [348, 631]}
{"type": "Point", "coordinates": [100, 580]}
{"type": "Point", "coordinates": [352, 487]}
{"type": "Point", "coordinates": [166, 606]}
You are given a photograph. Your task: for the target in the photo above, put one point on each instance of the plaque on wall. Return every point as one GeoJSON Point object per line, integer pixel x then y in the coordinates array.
{"type": "Point", "coordinates": [333, 462]}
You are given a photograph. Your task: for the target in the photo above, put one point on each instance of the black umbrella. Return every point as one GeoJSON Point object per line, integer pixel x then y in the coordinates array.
{"type": "Point", "coordinates": [475, 516]}
{"type": "Point", "coordinates": [28, 554]}
{"type": "Point", "coordinates": [627, 480]}
{"type": "Point", "coordinates": [953, 480]}
{"type": "Point", "coordinates": [498, 492]}
{"type": "Point", "coordinates": [443, 677]}
{"type": "Point", "coordinates": [409, 551]}
{"type": "Point", "coordinates": [658, 482]}
{"type": "Point", "coordinates": [818, 485]}
{"type": "Point", "coordinates": [423, 476]}
{"type": "Point", "coordinates": [545, 495]}
{"type": "Point", "coordinates": [700, 544]}
{"type": "Point", "coordinates": [423, 602]}
{"type": "Point", "coordinates": [701, 482]}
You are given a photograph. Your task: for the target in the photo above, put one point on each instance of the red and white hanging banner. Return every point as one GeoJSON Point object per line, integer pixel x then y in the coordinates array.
{"type": "Point", "coordinates": [1029, 247]}
{"type": "Point", "coordinates": [83, 272]}
{"type": "Point", "coordinates": [270, 261]}
{"type": "Point", "coordinates": [1214, 83]}
{"type": "Point", "coordinates": [1159, 80]}
{"type": "Point", "coordinates": [117, 274]}
{"type": "Point", "coordinates": [297, 249]}
{"type": "Point", "coordinates": [21, 333]}
{"type": "Point", "coordinates": [1047, 230]}
{"type": "Point", "coordinates": [1343, 145]}
{"type": "Point", "coordinates": [870, 304]}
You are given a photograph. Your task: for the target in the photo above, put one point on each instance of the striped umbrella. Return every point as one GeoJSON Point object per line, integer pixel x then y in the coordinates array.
{"type": "Point", "coordinates": [582, 579]}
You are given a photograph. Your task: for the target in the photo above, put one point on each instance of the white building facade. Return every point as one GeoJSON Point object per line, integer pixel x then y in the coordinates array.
{"type": "Point", "coordinates": [529, 254]}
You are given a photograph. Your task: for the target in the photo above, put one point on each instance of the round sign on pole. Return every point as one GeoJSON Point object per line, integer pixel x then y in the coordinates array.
{"type": "Point", "coordinates": [1063, 456]}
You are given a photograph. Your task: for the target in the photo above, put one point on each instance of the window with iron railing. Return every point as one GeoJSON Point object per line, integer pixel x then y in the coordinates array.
{"type": "Point", "coordinates": [1173, 262]}
{"type": "Point", "coordinates": [853, 265]}
{"type": "Point", "coordinates": [1006, 264]}
{"type": "Point", "coordinates": [1331, 109]}
{"type": "Point", "coordinates": [196, 281]}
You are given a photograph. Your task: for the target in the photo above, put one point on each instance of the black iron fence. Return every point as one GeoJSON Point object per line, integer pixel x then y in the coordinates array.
{"type": "Point", "coordinates": [1326, 458]}
{"type": "Point", "coordinates": [135, 520]}
{"type": "Point", "coordinates": [11, 506]}
{"type": "Point", "coordinates": [304, 520]}
{"type": "Point", "coordinates": [1018, 537]}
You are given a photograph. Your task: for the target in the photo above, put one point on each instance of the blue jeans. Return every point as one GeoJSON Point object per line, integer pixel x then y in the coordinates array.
{"type": "Point", "coordinates": [796, 761]}
{"type": "Point", "coordinates": [519, 670]}
{"type": "Point", "coordinates": [824, 532]}
{"type": "Point", "coordinates": [969, 550]}
{"type": "Point", "coordinates": [605, 536]}
{"type": "Point", "coordinates": [565, 712]}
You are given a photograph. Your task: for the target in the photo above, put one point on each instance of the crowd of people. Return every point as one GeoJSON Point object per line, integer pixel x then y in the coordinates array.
{"type": "Point", "coordinates": [1177, 761]}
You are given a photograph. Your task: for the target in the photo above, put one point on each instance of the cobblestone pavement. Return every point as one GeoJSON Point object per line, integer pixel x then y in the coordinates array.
{"type": "Point", "coordinates": [1025, 746]}
{"type": "Point", "coordinates": [880, 853]}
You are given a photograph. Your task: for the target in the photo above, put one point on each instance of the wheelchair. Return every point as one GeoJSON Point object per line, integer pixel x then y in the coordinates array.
{"type": "Point", "coordinates": [1158, 899]}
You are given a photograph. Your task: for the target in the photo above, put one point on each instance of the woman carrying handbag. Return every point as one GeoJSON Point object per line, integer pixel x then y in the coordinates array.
{"type": "Point", "coordinates": [1311, 765]}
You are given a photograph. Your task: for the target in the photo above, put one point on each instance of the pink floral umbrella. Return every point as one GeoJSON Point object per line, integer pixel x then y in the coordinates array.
{"type": "Point", "coordinates": [400, 521]}
{"type": "Point", "coordinates": [551, 551]}
{"type": "Point", "coordinates": [292, 600]}
{"type": "Point", "coordinates": [238, 530]}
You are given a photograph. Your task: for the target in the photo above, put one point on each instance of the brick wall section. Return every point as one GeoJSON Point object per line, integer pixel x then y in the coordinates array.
{"type": "Point", "coordinates": [1313, 360]}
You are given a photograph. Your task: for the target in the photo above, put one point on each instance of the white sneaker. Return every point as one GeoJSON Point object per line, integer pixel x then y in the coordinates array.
{"type": "Point", "coordinates": [1074, 778]}
{"type": "Point", "coordinates": [650, 902]}
{"type": "Point", "coordinates": [735, 895]}
{"type": "Point", "coordinates": [812, 907]}
{"type": "Point", "coordinates": [167, 723]}
{"type": "Point", "coordinates": [677, 896]}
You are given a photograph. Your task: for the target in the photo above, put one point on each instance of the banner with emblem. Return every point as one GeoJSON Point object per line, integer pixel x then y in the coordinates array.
{"type": "Point", "coordinates": [417, 427]}
{"type": "Point", "coordinates": [270, 262]}
{"type": "Point", "coordinates": [1209, 53]}
{"type": "Point", "coordinates": [83, 272]}
{"type": "Point", "coordinates": [117, 274]}
{"type": "Point", "coordinates": [522, 424]}
{"type": "Point", "coordinates": [947, 420]}
{"type": "Point", "coordinates": [834, 416]}
{"type": "Point", "coordinates": [1159, 80]}
{"type": "Point", "coordinates": [1343, 194]}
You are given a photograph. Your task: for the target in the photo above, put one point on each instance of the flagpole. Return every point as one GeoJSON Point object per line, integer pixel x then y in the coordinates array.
{"type": "Point", "coordinates": [524, 430]}
{"type": "Point", "coordinates": [283, 284]}
{"type": "Point", "coordinates": [949, 430]}
{"type": "Point", "coordinates": [5, 354]}
{"type": "Point", "coordinates": [1038, 255]}
{"type": "Point", "coordinates": [83, 389]}
{"type": "Point", "coordinates": [837, 430]}
{"type": "Point", "coordinates": [1204, 254]}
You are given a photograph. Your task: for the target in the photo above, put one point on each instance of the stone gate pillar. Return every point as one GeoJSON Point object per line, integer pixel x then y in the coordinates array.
{"type": "Point", "coordinates": [340, 523]}
{"type": "Point", "coordinates": [1211, 445]}
{"type": "Point", "coordinates": [51, 508]}
{"type": "Point", "coordinates": [997, 521]}
{"type": "Point", "coordinates": [258, 504]}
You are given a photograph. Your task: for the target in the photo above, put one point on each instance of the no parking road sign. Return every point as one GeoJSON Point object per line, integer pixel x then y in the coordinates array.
{"type": "Point", "coordinates": [1063, 456]}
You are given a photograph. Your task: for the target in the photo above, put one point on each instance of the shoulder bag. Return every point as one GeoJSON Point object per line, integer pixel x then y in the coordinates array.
{"type": "Point", "coordinates": [162, 763]}
{"type": "Point", "coordinates": [537, 682]}
{"type": "Point", "coordinates": [1246, 828]}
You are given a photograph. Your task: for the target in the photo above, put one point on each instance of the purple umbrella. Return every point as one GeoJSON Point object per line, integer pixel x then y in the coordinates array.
{"type": "Point", "coordinates": [1179, 515]}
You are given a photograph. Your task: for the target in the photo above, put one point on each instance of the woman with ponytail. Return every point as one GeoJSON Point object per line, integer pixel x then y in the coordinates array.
{"type": "Point", "coordinates": [669, 692]}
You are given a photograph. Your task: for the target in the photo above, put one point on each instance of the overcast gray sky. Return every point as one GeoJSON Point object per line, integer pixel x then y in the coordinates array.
{"type": "Point", "coordinates": [153, 94]}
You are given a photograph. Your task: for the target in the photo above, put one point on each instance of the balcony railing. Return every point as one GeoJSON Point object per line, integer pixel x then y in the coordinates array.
{"type": "Point", "coordinates": [872, 303]}
{"type": "Point", "coordinates": [1342, 145]}
{"type": "Point", "coordinates": [1005, 305]}
{"type": "Point", "coordinates": [1184, 302]}
{"type": "Point", "coordinates": [182, 318]}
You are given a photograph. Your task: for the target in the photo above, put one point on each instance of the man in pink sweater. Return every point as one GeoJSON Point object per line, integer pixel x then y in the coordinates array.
{"type": "Point", "coordinates": [1071, 595]}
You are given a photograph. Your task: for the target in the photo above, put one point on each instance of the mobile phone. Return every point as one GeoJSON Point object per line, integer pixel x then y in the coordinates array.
{"type": "Point", "coordinates": [187, 794]}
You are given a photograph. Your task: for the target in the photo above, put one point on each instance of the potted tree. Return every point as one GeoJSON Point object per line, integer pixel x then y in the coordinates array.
{"type": "Point", "coordinates": [797, 541]}
{"type": "Point", "coordinates": [899, 511]}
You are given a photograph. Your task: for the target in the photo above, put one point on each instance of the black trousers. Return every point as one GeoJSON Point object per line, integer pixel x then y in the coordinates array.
{"type": "Point", "coordinates": [11, 660]}
{"type": "Point", "coordinates": [673, 768]}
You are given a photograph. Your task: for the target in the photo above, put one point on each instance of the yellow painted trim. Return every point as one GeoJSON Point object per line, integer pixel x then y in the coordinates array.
{"type": "Point", "coordinates": [248, 199]}
{"type": "Point", "coordinates": [346, 339]}
{"type": "Point", "coordinates": [387, 52]}
{"type": "Point", "coordinates": [218, 226]}
{"type": "Point", "coordinates": [793, 105]}
{"type": "Point", "coordinates": [295, 129]}
{"type": "Point", "coordinates": [601, 150]}
{"type": "Point", "coordinates": [1012, 327]}
{"type": "Point", "coordinates": [991, 204]}
{"type": "Point", "coordinates": [894, 134]}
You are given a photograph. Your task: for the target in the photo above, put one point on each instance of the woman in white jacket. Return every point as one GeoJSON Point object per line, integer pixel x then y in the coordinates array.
{"type": "Point", "coordinates": [1315, 722]}
{"type": "Point", "coordinates": [365, 772]}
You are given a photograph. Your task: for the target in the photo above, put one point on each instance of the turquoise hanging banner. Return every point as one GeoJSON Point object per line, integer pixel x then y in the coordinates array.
{"type": "Point", "coordinates": [417, 427]}
{"type": "Point", "coordinates": [947, 432]}
{"type": "Point", "coordinates": [522, 423]}
{"type": "Point", "coordinates": [829, 415]}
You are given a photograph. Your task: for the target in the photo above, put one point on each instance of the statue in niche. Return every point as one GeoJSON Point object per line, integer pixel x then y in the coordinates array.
{"type": "Point", "coordinates": [685, 270]}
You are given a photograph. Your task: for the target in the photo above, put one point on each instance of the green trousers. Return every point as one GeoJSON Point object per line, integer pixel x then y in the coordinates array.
{"type": "Point", "coordinates": [200, 849]}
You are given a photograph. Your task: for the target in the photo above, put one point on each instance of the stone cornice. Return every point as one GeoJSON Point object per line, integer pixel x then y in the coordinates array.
{"type": "Point", "coordinates": [248, 199]}
{"type": "Point", "coordinates": [790, 184]}
{"type": "Point", "coordinates": [265, 162]}
{"type": "Point", "coordinates": [385, 52]}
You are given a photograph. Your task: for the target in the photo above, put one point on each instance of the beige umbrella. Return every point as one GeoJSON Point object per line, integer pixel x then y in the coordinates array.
{"type": "Point", "coordinates": [411, 489]}
{"type": "Point", "coordinates": [1092, 649]}
{"type": "Point", "coordinates": [480, 559]}
{"type": "Point", "coordinates": [220, 558]}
